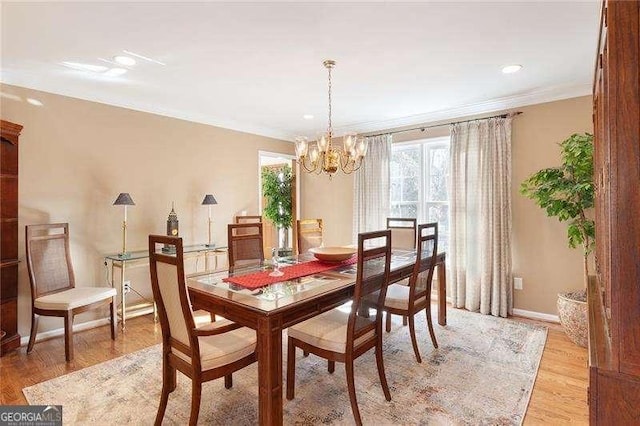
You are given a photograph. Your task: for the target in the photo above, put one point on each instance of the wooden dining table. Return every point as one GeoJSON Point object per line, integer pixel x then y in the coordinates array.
{"type": "Point", "coordinates": [271, 309]}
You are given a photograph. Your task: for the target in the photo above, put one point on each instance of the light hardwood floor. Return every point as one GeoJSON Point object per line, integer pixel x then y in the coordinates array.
{"type": "Point", "coordinates": [559, 394]}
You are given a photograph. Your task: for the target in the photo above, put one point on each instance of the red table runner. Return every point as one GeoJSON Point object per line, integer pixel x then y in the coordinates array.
{"type": "Point", "coordinates": [262, 279]}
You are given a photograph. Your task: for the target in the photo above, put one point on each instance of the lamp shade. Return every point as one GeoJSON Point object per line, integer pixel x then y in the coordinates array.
{"type": "Point", "coordinates": [209, 199]}
{"type": "Point", "coordinates": [124, 199]}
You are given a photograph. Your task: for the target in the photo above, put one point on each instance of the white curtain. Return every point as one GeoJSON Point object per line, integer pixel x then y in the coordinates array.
{"type": "Point", "coordinates": [480, 248]}
{"type": "Point", "coordinates": [371, 188]}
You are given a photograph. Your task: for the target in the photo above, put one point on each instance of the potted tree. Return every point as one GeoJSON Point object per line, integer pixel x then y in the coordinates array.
{"type": "Point", "coordinates": [276, 188]}
{"type": "Point", "coordinates": [567, 192]}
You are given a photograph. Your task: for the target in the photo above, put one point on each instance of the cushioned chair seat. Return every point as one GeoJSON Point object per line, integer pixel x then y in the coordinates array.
{"type": "Point", "coordinates": [73, 298]}
{"type": "Point", "coordinates": [398, 297]}
{"type": "Point", "coordinates": [222, 349]}
{"type": "Point", "coordinates": [327, 331]}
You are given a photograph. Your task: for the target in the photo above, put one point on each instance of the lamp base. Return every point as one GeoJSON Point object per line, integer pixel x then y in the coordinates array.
{"type": "Point", "coordinates": [124, 255]}
{"type": "Point", "coordinates": [212, 245]}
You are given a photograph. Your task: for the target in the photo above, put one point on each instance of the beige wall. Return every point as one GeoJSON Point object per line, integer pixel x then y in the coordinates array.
{"type": "Point", "coordinates": [540, 253]}
{"type": "Point", "coordinates": [76, 156]}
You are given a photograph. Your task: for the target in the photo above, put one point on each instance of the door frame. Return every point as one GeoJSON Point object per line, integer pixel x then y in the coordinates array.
{"type": "Point", "coordinates": [296, 171]}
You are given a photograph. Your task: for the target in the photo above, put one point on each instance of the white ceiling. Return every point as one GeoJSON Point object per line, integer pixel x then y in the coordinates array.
{"type": "Point", "coordinates": [257, 67]}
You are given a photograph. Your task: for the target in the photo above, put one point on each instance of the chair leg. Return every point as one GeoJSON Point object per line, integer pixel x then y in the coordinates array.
{"type": "Point", "coordinates": [196, 393]}
{"type": "Point", "coordinates": [331, 366]}
{"type": "Point", "coordinates": [173, 379]}
{"type": "Point", "coordinates": [34, 331]}
{"type": "Point", "coordinates": [228, 381]}
{"type": "Point", "coordinates": [388, 322]}
{"type": "Point", "coordinates": [68, 336]}
{"type": "Point", "coordinates": [291, 368]}
{"type": "Point", "coordinates": [381, 373]}
{"type": "Point", "coordinates": [430, 325]}
{"type": "Point", "coordinates": [168, 385]}
{"type": "Point", "coordinates": [414, 342]}
{"type": "Point", "coordinates": [404, 320]}
{"type": "Point", "coordinates": [352, 391]}
{"type": "Point", "coordinates": [114, 318]}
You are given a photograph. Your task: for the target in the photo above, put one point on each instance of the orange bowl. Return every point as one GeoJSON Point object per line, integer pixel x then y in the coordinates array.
{"type": "Point", "coordinates": [333, 254]}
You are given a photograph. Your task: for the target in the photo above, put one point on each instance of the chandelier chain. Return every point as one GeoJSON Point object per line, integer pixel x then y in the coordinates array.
{"type": "Point", "coordinates": [330, 129]}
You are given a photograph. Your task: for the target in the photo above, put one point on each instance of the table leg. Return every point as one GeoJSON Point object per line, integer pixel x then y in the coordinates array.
{"type": "Point", "coordinates": [270, 370]}
{"type": "Point", "coordinates": [442, 294]}
{"type": "Point", "coordinates": [123, 298]}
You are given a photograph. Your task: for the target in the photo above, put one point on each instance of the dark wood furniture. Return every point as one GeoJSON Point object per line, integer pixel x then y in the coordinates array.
{"type": "Point", "coordinates": [344, 336]}
{"type": "Point", "coordinates": [205, 353]}
{"type": "Point", "coordinates": [270, 318]}
{"type": "Point", "coordinates": [310, 234]}
{"type": "Point", "coordinates": [403, 232]}
{"type": "Point", "coordinates": [248, 219]}
{"type": "Point", "coordinates": [245, 244]}
{"type": "Point", "coordinates": [53, 286]}
{"type": "Point", "coordinates": [614, 296]}
{"type": "Point", "coordinates": [9, 133]}
{"type": "Point", "coordinates": [410, 300]}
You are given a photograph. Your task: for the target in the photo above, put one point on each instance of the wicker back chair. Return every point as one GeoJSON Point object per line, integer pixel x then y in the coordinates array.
{"type": "Point", "coordinates": [245, 244]}
{"type": "Point", "coordinates": [53, 286]}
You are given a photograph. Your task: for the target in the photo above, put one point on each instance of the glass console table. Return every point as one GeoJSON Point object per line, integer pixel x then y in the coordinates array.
{"type": "Point", "coordinates": [147, 305]}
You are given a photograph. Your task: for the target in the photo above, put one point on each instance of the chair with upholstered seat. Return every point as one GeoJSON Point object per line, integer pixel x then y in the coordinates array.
{"type": "Point", "coordinates": [403, 237]}
{"type": "Point", "coordinates": [245, 244]}
{"type": "Point", "coordinates": [53, 286]}
{"type": "Point", "coordinates": [310, 234]}
{"type": "Point", "coordinates": [206, 353]}
{"type": "Point", "coordinates": [409, 300]}
{"type": "Point", "coordinates": [342, 336]}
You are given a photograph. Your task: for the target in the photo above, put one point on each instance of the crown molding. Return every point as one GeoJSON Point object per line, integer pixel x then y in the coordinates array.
{"type": "Point", "coordinates": [236, 125]}
{"type": "Point", "coordinates": [550, 94]}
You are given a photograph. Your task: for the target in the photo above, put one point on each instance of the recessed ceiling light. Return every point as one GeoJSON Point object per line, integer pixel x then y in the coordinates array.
{"type": "Point", "coordinates": [34, 102]}
{"type": "Point", "coordinates": [124, 60]}
{"type": "Point", "coordinates": [308, 116]}
{"type": "Point", "coordinates": [85, 67]}
{"type": "Point", "coordinates": [115, 72]}
{"type": "Point", "coordinates": [510, 69]}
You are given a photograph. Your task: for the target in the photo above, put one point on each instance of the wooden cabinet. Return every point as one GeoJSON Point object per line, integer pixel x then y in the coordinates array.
{"type": "Point", "coordinates": [614, 296]}
{"type": "Point", "coordinates": [9, 231]}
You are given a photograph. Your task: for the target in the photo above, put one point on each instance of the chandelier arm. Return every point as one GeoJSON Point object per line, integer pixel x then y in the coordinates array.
{"type": "Point", "coordinates": [303, 162]}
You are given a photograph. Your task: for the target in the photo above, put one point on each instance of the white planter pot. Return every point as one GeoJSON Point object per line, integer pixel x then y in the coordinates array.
{"type": "Point", "coordinates": [572, 310]}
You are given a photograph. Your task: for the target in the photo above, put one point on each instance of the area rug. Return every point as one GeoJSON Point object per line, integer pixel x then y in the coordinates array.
{"type": "Point", "coordinates": [482, 374]}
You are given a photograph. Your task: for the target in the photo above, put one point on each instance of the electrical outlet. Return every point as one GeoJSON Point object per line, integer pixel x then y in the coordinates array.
{"type": "Point", "coordinates": [127, 286]}
{"type": "Point", "coordinates": [517, 283]}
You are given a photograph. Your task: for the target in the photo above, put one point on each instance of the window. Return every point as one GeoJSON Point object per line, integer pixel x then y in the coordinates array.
{"type": "Point", "coordinates": [419, 183]}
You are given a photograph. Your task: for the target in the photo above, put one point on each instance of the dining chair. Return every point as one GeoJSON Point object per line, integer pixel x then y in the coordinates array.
{"type": "Point", "coordinates": [409, 300]}
{"type": "Point", "coordinates": [342, 336]}
{"type": "Point", "coordinates": [53, 286]}
{"type": "Point", "coordinates": [403, 237]}
{"type": "Point", "coordinates": [245, 244]}
{"type": "Point", "coordinates": [310, 234]}
{"type": "Point", "coordinates": [201, 353]}
{"type": "Point", "coordinates": [403, 232]}
{"type": "Point", "coordinates": [246, 219]}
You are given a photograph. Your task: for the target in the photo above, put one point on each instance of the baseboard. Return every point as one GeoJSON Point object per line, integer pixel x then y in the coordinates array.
{"type": "Point", "coordinates": [536, 315]}
{"type": "Point", "coordinates": [24, 340]}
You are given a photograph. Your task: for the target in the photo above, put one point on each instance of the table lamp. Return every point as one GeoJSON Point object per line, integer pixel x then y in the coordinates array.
{"type": "Point", "coordinates": [209, 200]}
{"type": "Point", "coordinates": [124, 199]}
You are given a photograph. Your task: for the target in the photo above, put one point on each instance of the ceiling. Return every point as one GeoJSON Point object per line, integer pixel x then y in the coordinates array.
{"type": "Point", "coordinates": [257, 67]}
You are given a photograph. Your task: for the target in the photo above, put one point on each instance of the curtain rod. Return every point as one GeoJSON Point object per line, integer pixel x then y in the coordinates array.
{"type": "Point", "coordinates": [423, 128]}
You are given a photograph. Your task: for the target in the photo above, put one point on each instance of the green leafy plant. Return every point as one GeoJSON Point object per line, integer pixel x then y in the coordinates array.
{"type": "Point", "coordinates": [567, 192]}
{"type": "Point", "coordinates": [276, 188]}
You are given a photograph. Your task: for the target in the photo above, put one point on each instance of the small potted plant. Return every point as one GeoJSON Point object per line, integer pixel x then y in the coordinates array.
{"type": "Point", "coordinates": [567, 192]}
{"type": "Point", "coordinates": [276, 188]}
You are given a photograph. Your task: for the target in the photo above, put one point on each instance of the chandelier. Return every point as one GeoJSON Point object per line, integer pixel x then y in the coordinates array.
{"type": "Point", "coordinates": [321, 156]}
